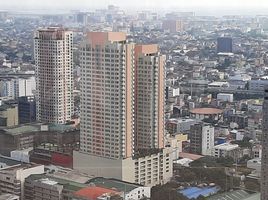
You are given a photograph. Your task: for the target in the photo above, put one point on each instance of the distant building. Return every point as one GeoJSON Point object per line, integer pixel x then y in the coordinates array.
{"type": "Point", "coordinates": [3, 15]}
{"type": "Point", "coordinates": [9, 113]}
{"type": "Point", "coordinates": [240, 119]}
{"type": "Point", "coordinates": [172, 92]}
{"type": "Point", "coordinates": [201, 139]}
{"type": "Point", "coordinates": [257, 85]}
{"type": "Point", "coordinates": [226, 150]}
{"type": "Point", "coordinates": [181, 125]}
{"type": "Point", "coordinates": [224, 45]}
{"type": "Point", "coordinates": [9, 88]}
{"type": "Point", "coordinates": [225, 97]}
{"type": "Point", "coordinates": [27, 109]}
{"type": "Point", "coordinates": [172, 26]}
{"type": "Point", "coordinates": [81, 18]}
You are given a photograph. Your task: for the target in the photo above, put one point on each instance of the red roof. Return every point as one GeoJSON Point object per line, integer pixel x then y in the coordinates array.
{"type": "Point", "coordinates": [206, 111]}
{"type": "Point", "coordinates": [93, 193]}
{"type": "Point", "coordinates": [189, 156]}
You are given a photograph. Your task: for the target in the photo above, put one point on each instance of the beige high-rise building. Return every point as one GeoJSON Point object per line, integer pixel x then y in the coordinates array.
{"type": "Point", "coordinates": [107, 95]}
{"type": "Point", "coordinates": [149, 97]}
{"type": "Point", "coordinates": [122, 110]}
{"type": "Point", "coordinates": [53, 48]}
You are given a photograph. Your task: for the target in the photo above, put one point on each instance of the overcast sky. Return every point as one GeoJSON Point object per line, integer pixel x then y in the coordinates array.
{"type": "Point", "coordinates": [238, 5]}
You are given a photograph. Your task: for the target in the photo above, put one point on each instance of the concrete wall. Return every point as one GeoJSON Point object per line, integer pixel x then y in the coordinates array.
{"type": "Point", "coordinates": [97, 166]}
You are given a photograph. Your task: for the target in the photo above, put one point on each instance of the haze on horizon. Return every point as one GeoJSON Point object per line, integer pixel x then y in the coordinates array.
{"type": "Point", "coordinates": [213, 6]}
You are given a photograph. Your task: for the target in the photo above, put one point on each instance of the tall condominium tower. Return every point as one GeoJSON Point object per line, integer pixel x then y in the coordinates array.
{"type": "Point", "coordinates": [53, 48]}
{"type": "Point", "coordinates": [264, 160]}
{"type": "Point", "coordinates": [107, 95]}
{"type": "Point", "coordinates": [122, 110]}
{"type": "Point", "coordinates": [149, 97]}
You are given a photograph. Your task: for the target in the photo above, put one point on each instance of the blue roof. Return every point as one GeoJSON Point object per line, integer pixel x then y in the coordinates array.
{"type": "Point", "coordinates": [194, 192]}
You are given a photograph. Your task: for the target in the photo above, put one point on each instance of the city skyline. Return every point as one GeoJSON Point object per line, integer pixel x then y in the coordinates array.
{"type": "Point", "coordinates": [209, 7]}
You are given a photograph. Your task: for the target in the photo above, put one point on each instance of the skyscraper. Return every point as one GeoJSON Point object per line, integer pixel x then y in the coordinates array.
{"type": "Point", "coordinates": [264, 160]}
{"type": "Point", "coordinates": [149, 97]}
{"type": "Point", "coordinates": [54, 81]}
{"type": "Point", "coordinates": [107, 95]}
{"type": "Point", "coordinates": [122, 110]}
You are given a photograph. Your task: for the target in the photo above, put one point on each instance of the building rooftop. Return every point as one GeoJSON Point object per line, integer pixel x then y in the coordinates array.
{"type": "Point", "coordinates": [190, 156]}
{"type": "Point", "coordinates": [68, 184]}
{"type": "Point", "coordinates": [8, 161]}
{"type": "Point", "coordinates": [180, 120]}
{"type": "Point", "coordinates": [206, 111]}
{"type": "Point", "coordinates": [226, 146]}
{"type": "Point", "coordinates": [146, 152]}
{"type": "Point", "coordinates": [21, 129]}
{"type": "Point", "coordinates": [60, 127]}
{"type": "Point", "coordinates": [116, 185]}
{"type": "Point", "coordinates": [236, 195]}
{"type": "Point", "coordinates": [94, 192]}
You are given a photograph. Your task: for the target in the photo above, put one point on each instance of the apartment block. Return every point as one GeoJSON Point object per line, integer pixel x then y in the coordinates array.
{"type": "Point", "coordinates": [12, 178]}
{"type": "Point", "coordinates": [172, 26]}
{"type": "Point", "coordinates": [226, 150]}
{"type": "Point", "coordinates": [53, 50]}
{"type": "Point", "coordinates": [149, 97]}
{"type": "Point", "coordinates": [201, 138]}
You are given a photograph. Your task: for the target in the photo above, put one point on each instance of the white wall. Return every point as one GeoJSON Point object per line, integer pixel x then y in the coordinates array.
{"type": "Point", "coordinates": [225, 97]}
{"type": "Point", "coordinates": [27, 86]}
{"type": "Point", "coordinates": [22, 174]}
{"type": "Point", "coordinates": [138, 193]}
{"type": "Point", "coordinates": [207, 140]}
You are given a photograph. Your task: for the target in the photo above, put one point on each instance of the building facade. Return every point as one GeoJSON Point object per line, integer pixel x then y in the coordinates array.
{"type": "Point", "coordinates": [224, 45]}
{"type": "Point", "coordinates": [54, 79]}
{"type": "Point", "coordinates": [107, 96]}
{"type": "Point", "coordinates": [149, 97]}
{"type": "Point", "coordinates": [201, 139]}
{"type": "Point", "coordinates": [226, 150]}
{"type": "Point", "coordinates": [27, 109]}
{"type": "Point", "coordinates": [264, 161]}
{"type": "Point", "coordinates": [172, 26]}
{"type": "Point", "coordinates": [9, 113]}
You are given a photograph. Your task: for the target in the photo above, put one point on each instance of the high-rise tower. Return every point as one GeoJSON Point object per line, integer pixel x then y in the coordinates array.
{"type": "Point", "coordinates": [53, 49]}
{"type": "Point", "coordinates": [107, 95]}
{"type": "Point", "coordinates": [264, 160]}
{"type": "Point", "coordinates": [122, 110]}
{"type": "Point", "coordinates": [149, 97]}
